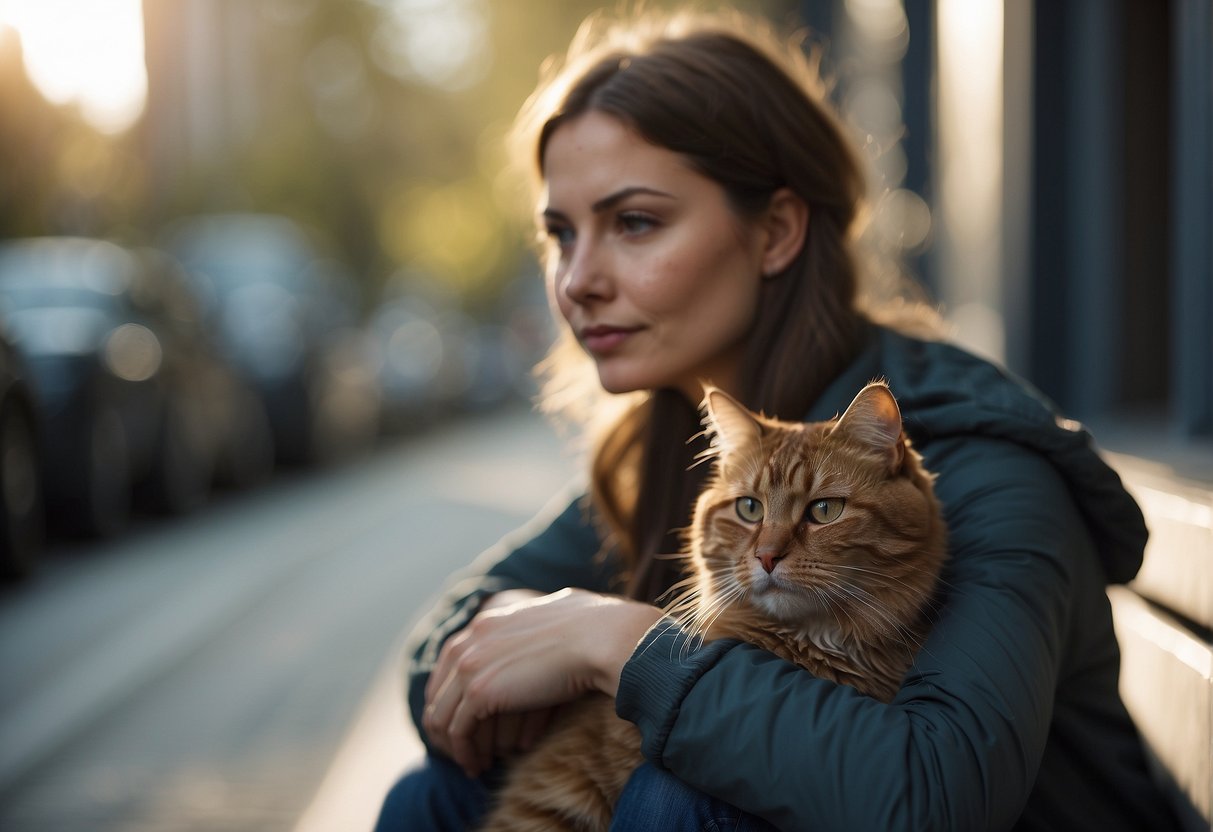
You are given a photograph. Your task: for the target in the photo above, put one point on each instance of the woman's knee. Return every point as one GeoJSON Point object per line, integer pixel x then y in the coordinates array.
{"type": "Point", "coordinates": [655, 799]}
{"type": "Point", "coordinates": [437, 797]}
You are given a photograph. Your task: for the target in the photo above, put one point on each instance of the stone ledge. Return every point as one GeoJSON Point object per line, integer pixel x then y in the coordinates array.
{"type": "Point", "coordinates": [1164, 622]}
{"type": "Point", "coordinates": [1167, 683]}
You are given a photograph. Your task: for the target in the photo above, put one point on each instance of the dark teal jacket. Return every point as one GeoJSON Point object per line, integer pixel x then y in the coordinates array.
{"type": "Point", "coordinates": [1010, 717]}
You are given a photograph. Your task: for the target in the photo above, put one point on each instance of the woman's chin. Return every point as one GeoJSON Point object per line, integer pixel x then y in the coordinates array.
{"type": "Point", "coordinates": [618, 383]}
{"type": "Point", "coordinates": [615, 382]}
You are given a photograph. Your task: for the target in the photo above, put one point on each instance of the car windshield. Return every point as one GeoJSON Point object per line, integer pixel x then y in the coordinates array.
{"type": "Point", "coordinates": [231, 255]}
{"type": "Point", "coordinates": [62, 274]}
{"type": "Point", "coordinates": [62, 331]}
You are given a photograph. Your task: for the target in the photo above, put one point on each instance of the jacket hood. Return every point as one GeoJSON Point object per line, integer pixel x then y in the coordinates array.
{"type": "Point", "coordinates": [944, 391]}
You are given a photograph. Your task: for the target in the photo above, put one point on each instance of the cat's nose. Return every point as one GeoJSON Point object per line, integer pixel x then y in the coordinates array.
{"type": "Point", "coordinates": [768, 559]}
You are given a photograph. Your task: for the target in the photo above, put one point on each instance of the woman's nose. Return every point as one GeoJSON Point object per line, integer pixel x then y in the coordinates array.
{"type": "Point", "coordinates": [586, 275]}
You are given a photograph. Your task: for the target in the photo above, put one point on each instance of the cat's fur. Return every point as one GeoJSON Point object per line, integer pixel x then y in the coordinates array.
{"type": "Point", "coordinates": [846, 599]}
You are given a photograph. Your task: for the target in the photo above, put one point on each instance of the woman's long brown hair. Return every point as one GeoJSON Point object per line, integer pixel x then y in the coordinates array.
{"type": "Point", "coordinates": [748, 111]}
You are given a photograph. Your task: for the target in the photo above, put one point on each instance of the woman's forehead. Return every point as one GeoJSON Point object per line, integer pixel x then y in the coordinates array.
{"type": "Point", "coordinates": [595, 155]}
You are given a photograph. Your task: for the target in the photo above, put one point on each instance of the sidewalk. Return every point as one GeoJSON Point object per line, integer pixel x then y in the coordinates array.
{"type": "Point", "coordinates": [379, 746]}
{"type": "Point", "coordinates": [505, 470]}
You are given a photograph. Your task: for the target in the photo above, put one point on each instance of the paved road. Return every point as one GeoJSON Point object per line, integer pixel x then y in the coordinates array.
{"type": "Point", "coordinates": [202, 675]}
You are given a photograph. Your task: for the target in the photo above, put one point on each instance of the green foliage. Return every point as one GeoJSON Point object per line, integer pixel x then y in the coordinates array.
{"type": "Point", "coordinates": [340, 113]}
{"type": "Point", "coordinates": [57, 174]}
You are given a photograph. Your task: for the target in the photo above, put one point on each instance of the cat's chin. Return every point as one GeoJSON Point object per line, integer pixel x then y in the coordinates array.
{"type": "Point", "coordinates": [782, 602]}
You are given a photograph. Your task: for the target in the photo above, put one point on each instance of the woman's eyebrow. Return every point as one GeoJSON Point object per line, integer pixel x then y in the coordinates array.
{"type": "Point", "coordinates": [610, 200]}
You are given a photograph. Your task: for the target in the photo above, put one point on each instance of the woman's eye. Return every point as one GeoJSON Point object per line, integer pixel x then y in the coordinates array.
{"type": "Point", "coordinates": [560, 235]}
{"type": "Point", "coordinates": [632, 222]}
{"type": "Point", "coordinates": [825, 511]}
{"type": "Point", "coordinates": [749, 509]}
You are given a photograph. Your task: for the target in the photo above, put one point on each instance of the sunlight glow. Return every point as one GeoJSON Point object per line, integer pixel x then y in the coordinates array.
{"type": "Point", "coordinates": [444, 43]}
{"type": "Point", "coordinates": [87, 53]}
{"type": "Point", "coordinates": [970, 102]}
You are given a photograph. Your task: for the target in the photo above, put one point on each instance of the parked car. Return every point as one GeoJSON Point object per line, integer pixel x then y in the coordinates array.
{"type": "Point", "coordinates": [131, 389]}
{"type": "Point", "coordinates": [22, 509]}
{"type": "Point", "coordinates": [287, 319]}
{"type": "Point", "coordinates": [520, 340]}
{"type": "Point", "coordinates": [418, 347]}
{"type": "Point", "coordinates": [240, 440]}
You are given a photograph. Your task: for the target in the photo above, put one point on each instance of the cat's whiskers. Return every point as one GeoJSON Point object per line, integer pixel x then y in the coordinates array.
{"type": "Point", "coordinates": [701, 611]}
{"type": "Point", "coordinates": [881, 579]}
{"type": "Point", "coordinates": [877, 615]}
{"type": "Point", "coordinates": [700, 618]}
{"type": "Point", "coordinates": [688, 615]}
{"type": "Point", "coordinates": [826, 600]}
{"type": "Point", "coordinates": [681, 593]}
{"type": "Point", "coordinates": [909, 567]}
{"type": "Point", "coordinates": [684, 607]}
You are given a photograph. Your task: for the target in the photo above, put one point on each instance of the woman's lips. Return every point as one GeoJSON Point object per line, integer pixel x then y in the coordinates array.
{"type": "Point", "coordinates": [601, 340]}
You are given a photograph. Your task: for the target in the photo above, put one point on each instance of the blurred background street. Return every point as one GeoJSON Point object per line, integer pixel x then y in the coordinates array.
{"type": "Point", "coordinates": [203, 674]}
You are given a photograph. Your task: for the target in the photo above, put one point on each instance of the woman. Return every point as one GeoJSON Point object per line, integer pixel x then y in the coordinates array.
{"type": "Point", "coordinates": [699, 205]}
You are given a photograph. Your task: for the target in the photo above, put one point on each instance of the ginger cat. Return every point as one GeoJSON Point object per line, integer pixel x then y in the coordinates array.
{"type": "Point", "coordinates": [820, 542]}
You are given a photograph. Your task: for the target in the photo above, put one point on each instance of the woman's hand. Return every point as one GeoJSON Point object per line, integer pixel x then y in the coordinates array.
{"type": "Point", "coordinates": [497, 681]}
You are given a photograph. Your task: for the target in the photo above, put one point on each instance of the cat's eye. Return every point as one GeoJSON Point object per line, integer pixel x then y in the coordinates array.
{"type": "Point", "coordinates": [825, 511]}
{"type": "Point", "coordinates": [749, 509]}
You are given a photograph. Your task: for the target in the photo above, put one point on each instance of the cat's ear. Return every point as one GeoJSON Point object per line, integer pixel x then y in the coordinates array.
{"type": "Point", "coordinates": [875, 419]}
{"type": "Point", "coordinates": [733, 425]}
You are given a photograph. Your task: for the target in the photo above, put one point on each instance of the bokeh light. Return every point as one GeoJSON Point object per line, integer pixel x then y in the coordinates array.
{"type": "Point", "coordinates": [89, 54]}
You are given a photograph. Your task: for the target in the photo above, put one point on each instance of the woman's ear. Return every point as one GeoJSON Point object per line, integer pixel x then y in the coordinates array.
{"type": "Point", "coordinates": [787, 223]}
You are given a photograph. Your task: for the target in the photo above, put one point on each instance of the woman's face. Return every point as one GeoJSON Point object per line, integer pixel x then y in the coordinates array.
{"type": "Point", "coordinates": [656, 275]}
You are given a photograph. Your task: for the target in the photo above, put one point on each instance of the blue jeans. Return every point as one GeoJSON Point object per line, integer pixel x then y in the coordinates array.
{"type": "Point", "coordinates": [438, 797]}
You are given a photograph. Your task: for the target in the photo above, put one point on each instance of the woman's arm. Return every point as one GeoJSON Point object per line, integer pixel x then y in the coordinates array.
{"type": "Point", "coordinates": [960, 745]}
{"type": "Point", "coordinates": [556, 550]}
{"type": "Point", "coordinates": [497, 680]}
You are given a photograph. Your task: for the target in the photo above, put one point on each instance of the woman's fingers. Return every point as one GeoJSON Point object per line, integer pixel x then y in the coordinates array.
{"type": "Point", "coordinates": [506, 732]}
{"type": "Point", "coordinates": [447, 657]}
{"type": "Point", "coordinates": [436, 719]}
{"type": "Point", "coordinates": [496, 737]}
{"type": "Point", "coordinates": [532, 726]}
{"type": "Point", "coordinates": [446, 687]}
{"type": "Point", "coordinates": [483, 740]}
{"type": "Point", "coordinates": [511, 665]}
{"type": "Point", "coordinates": [471, 740]}
{"type": "Point", "coordinates": [455, 646]}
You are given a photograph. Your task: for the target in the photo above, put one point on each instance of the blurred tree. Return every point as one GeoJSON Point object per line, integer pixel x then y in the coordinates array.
{"type": "Point", "coordinates": [26, 123]}
{"type": "Point", "coordinates": [57, 174]}
{"type": "Point", "coordinates": [379, 123]}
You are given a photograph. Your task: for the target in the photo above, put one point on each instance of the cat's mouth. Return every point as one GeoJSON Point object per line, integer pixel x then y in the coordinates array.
{"type": "Point", "coordinates": [781, 600]}
{"type": "Point", "coordinates": [762, 581]}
